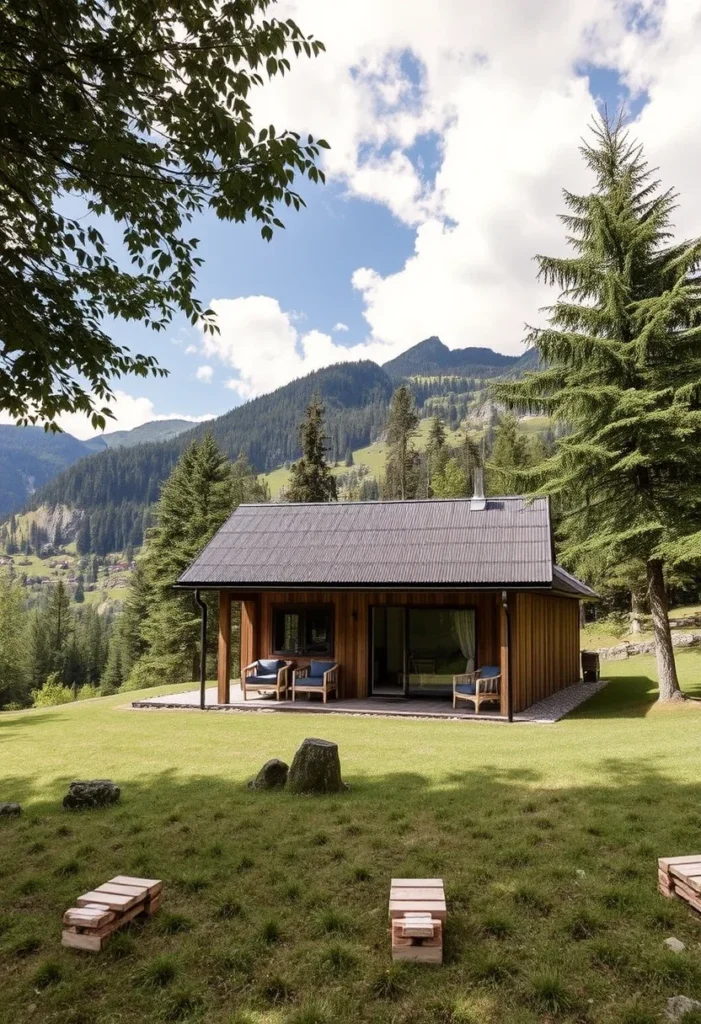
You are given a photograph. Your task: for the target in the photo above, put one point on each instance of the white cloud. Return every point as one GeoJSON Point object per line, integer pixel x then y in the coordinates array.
{"type": "Point", "coordinates": [500, 86]}
{"type": "Point", "coordinates": [128, 412]}
{"type": "Point", "coordinates": [205, 374]}
{"type": "Point", "coordinates": [191, 350]}
{"type": "Point", "coordinates": [260, 342]}
{"type": "Point", "coordinates": [339, 327]}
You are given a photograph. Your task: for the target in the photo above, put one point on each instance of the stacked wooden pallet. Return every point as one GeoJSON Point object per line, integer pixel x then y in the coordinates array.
{"type": "Point", "coordinates": [417, 914]}
{"type": "Point", "coordinates": [681, 876]}
{"type": "Point", "coordinates": [100, 912]}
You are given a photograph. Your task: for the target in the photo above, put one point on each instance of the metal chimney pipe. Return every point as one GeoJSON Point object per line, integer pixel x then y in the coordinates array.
{"type": "Point", "coordinates": [478, 502]}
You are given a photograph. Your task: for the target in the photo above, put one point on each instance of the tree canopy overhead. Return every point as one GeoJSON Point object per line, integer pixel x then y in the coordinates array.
{"type": "Point", "coordinates": [138, 110]}
{"type": "Point", "coordinates": [623, 349]}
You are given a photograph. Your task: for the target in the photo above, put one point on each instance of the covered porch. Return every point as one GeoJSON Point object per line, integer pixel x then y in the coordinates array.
{"type": "Point", "coordinates": [390, 646]}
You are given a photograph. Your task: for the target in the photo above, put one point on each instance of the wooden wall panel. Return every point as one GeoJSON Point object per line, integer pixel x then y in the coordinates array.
{"type": "Point", "coordinates": [224, 648]}
{"type": "Point", "coordinates": [352, 626]}
{"type": "Point", "coordinates": [249, 624]}
{"type": "Point", "coordinates": [545, 646]}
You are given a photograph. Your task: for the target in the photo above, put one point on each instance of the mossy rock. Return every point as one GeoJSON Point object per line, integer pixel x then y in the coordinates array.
{"type": "Point", "coordinates": [273, 775]}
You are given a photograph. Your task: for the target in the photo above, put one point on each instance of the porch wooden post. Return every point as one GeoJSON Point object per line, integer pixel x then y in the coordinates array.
{"type": "Point", "coordinates": [504, 658]}
{"type": "Point", "coordinates": [224, 658]}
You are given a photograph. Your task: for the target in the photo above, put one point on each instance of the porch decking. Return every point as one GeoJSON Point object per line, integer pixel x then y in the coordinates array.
{"type": "Point", "coordinates": [545, 712]}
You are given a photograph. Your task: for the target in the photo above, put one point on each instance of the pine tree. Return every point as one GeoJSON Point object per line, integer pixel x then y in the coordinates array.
{"type": "Point", "coordinates": [509, 456]}
{"type": "Point", "coordinates": [126, 644]}
{"type": "Point", "coordinates": [83, 540]}
{"type": "Point", "coordinates": [437, 453]}
{"type": "Point", "coordinates": [59, 624]}
{"type": "Point", "coordinates": [246, 487]}
{"type": "Point", "coordinates": [451, 482]}
{"type": "Point", "coordinates": [14, 675]}
{"type": "Point", "coordinates": [114, 674]}
{"type": "Point", "coordinates": [400, 468]}
{"type": "Point", "coordinates": [311, 476]}
{"type": "Point", "coordinates": [623, 351]}
{"type": "Point", "coordinates": [197, 498]}
{"type": "Point", "coordinates": [436, 435]}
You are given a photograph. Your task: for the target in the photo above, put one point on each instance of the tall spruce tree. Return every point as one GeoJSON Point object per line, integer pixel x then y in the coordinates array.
{"type": "Point", "coordinates": [311, 476]}
{"type": "Point", "coordinates": [201, 492]}
{"type": "Point", "coordinates": [126, 645]}
{"type": "Point", "coordinates": [195, 501]}
{"type": "Point", "coordinates": [402, 458]}
{"type": "Point", "coordinates": [623, 351]}
{"type": "Point", "coordinates": [437, 454]}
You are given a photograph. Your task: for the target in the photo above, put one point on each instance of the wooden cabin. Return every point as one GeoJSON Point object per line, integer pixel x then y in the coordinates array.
{"type": "Point", "coordinates": [402, 595]}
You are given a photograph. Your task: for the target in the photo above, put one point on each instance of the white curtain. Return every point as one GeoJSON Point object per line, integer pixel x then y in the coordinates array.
{"type": "Point", "coordinates": [464, 621]}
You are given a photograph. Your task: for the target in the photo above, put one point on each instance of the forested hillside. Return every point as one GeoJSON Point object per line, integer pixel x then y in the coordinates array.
{"type": "Point", "coordinates": [29, 456]}
{"type": "Point", "coordinates": [115, 487]}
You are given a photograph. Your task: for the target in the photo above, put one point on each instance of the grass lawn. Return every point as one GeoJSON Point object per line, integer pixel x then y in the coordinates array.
{"type": "Point", "coordinates": [274, 907]}
{"type": "Point", "coordinates": [98, 597]}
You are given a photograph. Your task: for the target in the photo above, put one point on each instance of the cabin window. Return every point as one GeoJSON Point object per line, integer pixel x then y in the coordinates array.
{"type": "Point", "coordinates": [303, 630]}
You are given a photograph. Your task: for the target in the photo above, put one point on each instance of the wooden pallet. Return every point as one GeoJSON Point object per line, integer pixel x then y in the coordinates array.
{"type": "Point", "coordinates": [102, 911]}
{"type": "Point", "coordinates": [417, 913]}
{"type": "Point", "coordinates": [681, 877]}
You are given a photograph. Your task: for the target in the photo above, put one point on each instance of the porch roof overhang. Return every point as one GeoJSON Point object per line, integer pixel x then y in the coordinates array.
{"type": "Point", "coordinates": [399, 545]}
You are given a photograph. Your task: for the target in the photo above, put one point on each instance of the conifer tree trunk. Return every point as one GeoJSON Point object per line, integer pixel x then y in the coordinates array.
{"type": "Point", "coordinates": [636, 612]}
{"type": "Point", "coordinates": [664, 651]}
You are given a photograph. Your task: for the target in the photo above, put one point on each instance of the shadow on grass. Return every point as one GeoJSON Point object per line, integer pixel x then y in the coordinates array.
{"type": "Point", "coordinates": [261, 889]}
{"type": "Point", "coordinates": [635, 695]}
{"type": "Point", "coordinates": [19, 722]}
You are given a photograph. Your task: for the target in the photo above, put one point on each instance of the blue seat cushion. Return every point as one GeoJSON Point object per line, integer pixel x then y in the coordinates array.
{"type": "Point", "coordinates": [468, 688]}
{"type": "Point", "coordinates": [270, 665]}
{"type": "Point", "coordinates": [317, 668]}
{"type": "Point", "coordinates": [310, 681]}
{"type": "Point", "coordinates": [271, 679]}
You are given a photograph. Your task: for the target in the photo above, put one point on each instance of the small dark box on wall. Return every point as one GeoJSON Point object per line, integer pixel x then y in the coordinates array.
{"type": "Point", "coordinates": [590, 666]}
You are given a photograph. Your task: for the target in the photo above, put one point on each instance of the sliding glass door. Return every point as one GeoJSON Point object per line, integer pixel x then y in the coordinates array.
{"type": "Point", "coordinates": [440, 644]}
{"type": "Point", "coordinates": [417, 651]}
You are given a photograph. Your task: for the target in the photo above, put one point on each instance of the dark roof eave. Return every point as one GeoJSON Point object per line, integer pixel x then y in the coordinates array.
{"type": "Point", "coordinates": [291, 587]}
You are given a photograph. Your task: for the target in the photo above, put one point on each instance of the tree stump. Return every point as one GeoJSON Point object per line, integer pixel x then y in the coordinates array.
{"type": "Point", "coordinates": [273, 775]}
{"type": "Point", "coordinates": [316, 768]}
{"type": "Point", "coordinates": [94, 793]}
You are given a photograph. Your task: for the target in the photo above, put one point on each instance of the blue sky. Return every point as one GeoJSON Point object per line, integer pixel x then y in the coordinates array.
{"type": "Point", "coordinates": [453, 130]}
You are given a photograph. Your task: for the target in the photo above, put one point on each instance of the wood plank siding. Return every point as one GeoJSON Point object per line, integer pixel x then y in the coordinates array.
{"type": "Point", "coordinates": [544, 634]}
{"type": "Point", "coordinates": [545, 653]}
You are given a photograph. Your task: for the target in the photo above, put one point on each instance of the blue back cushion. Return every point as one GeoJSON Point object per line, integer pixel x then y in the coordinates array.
{"type": "Point", "coordinates": [489, 671]}
{"type": "Point", "coordinates": [317, 668]}
{"type": "Point", "coordinates": [266, 665]}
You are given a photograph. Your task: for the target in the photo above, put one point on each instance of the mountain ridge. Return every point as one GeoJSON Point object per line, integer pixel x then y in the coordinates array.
{"type": "Point", "coordinates": [432, 357]}
{"type": "Point", "coordinates": [122, 479]}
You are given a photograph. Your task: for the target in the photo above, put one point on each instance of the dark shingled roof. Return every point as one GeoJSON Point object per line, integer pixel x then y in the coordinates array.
{"type": "Point", "coordinates": [383, 543]}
